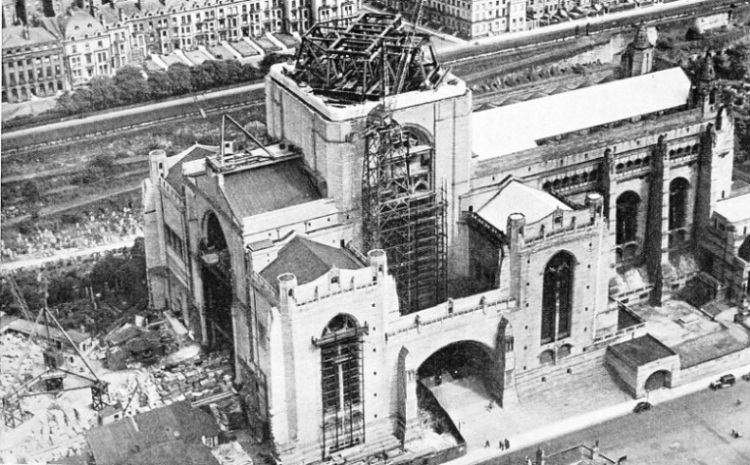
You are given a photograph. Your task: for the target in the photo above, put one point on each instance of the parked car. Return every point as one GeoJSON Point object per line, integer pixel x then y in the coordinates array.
{"type": "Point", "coordinates": [723, 382]}
{"type": "Point", "coordinates": [746, 376]}
{"type": "Point", "coordinates": [642, 407]}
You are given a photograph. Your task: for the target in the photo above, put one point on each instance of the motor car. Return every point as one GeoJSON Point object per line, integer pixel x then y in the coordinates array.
{"type": "Point", "coordinates": [746, 376]}
{"type": "Point", "coordinates": [723, 382]}
{"type": "Point", "coordinates": [642, 407]}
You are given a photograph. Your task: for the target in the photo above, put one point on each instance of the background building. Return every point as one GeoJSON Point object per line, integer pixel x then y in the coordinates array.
{"type": "Point", "coordinates": [33, 64]}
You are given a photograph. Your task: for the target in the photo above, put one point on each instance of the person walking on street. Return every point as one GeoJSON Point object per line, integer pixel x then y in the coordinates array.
{"type": "Point", "coordinates": [507, 443]}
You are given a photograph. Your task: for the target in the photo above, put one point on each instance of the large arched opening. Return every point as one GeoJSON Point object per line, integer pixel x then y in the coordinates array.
{"type": "Point", "coordinates": [557, 297]}
{"type": "Point", "coordinates": [217, 284]}
{"type": "Point", "coordinates": [658, 380]}
{"type": "Point", "coordinates": [627, 217]}
{"type": "Point", "coordinates": [679, 190]}
{"type": "Point", "coordinates": [342, 384]}
{"type": "Point", "coordinates": [457, 385]}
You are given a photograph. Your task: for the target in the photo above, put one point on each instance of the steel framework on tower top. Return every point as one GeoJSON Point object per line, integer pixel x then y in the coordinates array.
{"type": "Point", "coordinates": [373, 58]}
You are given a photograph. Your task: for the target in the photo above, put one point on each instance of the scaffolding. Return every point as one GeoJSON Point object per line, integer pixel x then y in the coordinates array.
{"type": "Point", "coordinates": [403, 212]}
{"type": "Point", "coordinates": [373, 58]}
{"type": "Point", "coordinates": [342, 387]}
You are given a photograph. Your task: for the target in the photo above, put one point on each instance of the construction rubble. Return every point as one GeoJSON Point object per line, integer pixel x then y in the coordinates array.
{"type": "Point", "coordinates": [147, 363]}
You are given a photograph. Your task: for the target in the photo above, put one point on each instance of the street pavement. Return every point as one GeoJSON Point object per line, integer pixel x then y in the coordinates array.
{"type": "Point", "coordinates": [687, 425]}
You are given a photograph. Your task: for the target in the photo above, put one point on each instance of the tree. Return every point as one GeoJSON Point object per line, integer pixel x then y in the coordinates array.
{"type": "Point", "coordinates": [131, 85]}
{"type": "Point", "coordinates": [739, 60]}
{"type": "Point", "coordinates": [180, 78]}
{"type": "Point", "coordinates": [159, 84]}
{"type": "Point", "coordinates": [203, 76]}
{"type": "Point", "coordinates": [103, 92]}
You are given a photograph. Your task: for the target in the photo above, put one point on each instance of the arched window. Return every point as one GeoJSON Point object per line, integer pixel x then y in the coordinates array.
{"type": "Point", "coordinates": [678, 197]}
{"type": "Point", "coordinates": [557, 297]}
{"type": "Point", "coordinates": [214, 233]}
{"type": "Point", "coordinates": [342, 384]}
{"type": "Point", "coordinates": [627, 217]}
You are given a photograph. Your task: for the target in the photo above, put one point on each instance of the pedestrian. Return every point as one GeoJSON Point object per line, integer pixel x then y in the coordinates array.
{"type": "Point", "coordinates": [507, 443]}
{"type": "Point", "coordinates": [491, 405]}
{"type": "Point", "coordinates": [487, 444]}
{"type": "Point", "coordinates": [501, 445]}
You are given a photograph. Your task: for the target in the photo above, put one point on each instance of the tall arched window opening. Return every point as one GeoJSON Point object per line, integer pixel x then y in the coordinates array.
{"type": "Point", "coordinates": [627, 217]}
{"type": "Point", "coordinates": [678, 198]}
{"type": "Point", "coordinates": [342, 384]}
{"type": "Point", "coordinates": [557, 297]}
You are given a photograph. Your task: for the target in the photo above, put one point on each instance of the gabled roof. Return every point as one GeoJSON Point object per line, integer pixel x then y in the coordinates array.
{"type": "Point", "coordinates": [514, 128]}
{"type": "Point", "coordinates": [308, 260]}
{"type": "Point", "coordinates": [174, 163]}
{"type": "Point", "coordinates": [267, 188]}
{"type": "Point", "coordinates": [516, 197]}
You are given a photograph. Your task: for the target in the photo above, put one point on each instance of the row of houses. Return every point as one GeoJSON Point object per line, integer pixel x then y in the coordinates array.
{"type": "Point", "coordinates": [472, 19]}
{"type": "Point", "coordinates": [62, 45]}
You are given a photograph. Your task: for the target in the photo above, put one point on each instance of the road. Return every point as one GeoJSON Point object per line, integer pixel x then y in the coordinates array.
{"type": "Point", "coordinates": [694, 429]}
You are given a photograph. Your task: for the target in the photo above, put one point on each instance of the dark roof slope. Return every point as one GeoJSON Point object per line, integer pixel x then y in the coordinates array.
{"type": "Point", "coordinates": [308, 260]}
{"type": "Point", "coordinates": [114, 443]}
{"type": "Point", "coordinates": [268, 188]}
{"type": "Point", "coordinates": [641, 350]}
{"type": "Point", "coordinates": [174, 452]}
{"type": "Point", "coordinates": [174, 177]}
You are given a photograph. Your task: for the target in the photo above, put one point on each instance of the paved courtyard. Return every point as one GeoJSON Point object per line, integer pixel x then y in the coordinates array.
{"type": "Point", "coordinates": [466, 401]}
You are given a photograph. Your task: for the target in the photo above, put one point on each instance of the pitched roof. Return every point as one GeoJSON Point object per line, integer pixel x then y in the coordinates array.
{"type": "Point", "coordinates": [174, 163]}
{"type": "Point", "coordinates": [14, 36]}
{"type": "Point", "coordinates": [174, 452]}
{"type": "Point", "coordinates": [734, 209]}
{"type": "Point", "coordinates": [25, 326]}
{"type": "Point", "coordinates": [267, 188]}
{"type": "Point", "coordinates": [516, 197]}
{"type": "Point", "coordinates": [308, 260]}
{"type": "Point", "coordinates": [114, 443]}
{"type": "Point", "coordinates": [514, 128]}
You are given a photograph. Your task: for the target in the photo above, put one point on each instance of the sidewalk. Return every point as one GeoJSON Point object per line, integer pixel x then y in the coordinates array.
{"type": "Point", "coordinates": [586, 420]}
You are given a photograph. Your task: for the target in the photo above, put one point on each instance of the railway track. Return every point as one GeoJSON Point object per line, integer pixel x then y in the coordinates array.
{"type": "Point", "coordinates": [6, 153]}
{"type": "Point", "coordinates": [665, 17]}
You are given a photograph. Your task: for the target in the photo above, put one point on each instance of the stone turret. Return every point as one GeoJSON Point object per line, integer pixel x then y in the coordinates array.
{"type": "Point", "coordinates": [638, 58]}
{"type": "Point", "coordinates": [705, 90]}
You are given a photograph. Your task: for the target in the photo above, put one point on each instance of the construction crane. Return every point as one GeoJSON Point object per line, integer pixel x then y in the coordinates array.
{"type": "Point", "coordinates": [53, 376]}
{"type": "Point", "coordinates": [403, 67]}
{"type": "Point", "coordinates": [16, 291]}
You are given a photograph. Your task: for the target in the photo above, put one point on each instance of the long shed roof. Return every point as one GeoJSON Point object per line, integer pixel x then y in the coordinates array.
{"type": "Point", "coordinates": [513, 128]}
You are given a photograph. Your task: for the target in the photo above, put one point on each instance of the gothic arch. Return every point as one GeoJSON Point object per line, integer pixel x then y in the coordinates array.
{"type": "Point", "coordinates": [628, 204]}
{"type": "Point", "coordinates": [679, 190]}
{"type": "Point", "coordinates": [557, 297]}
